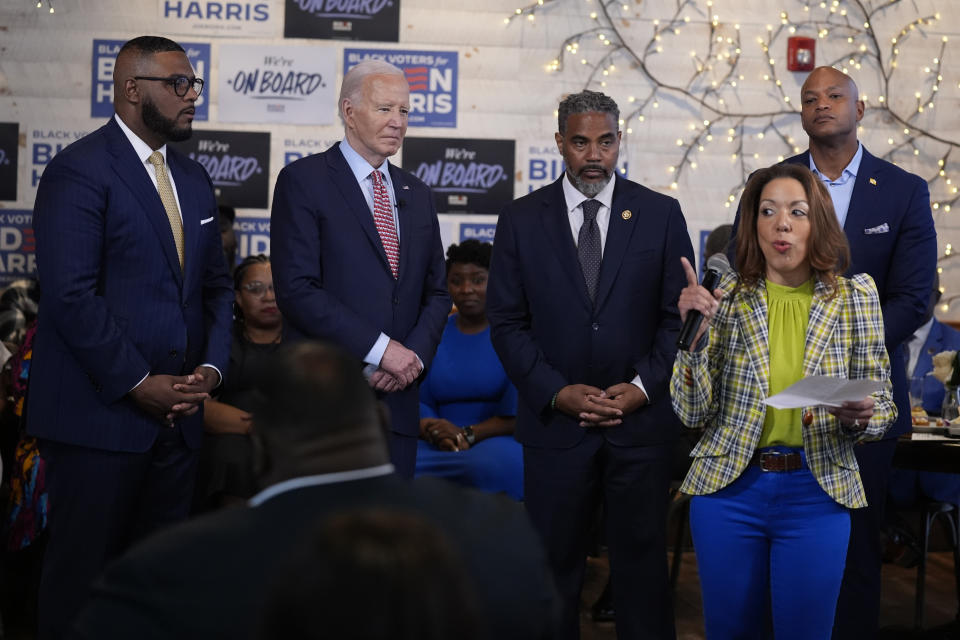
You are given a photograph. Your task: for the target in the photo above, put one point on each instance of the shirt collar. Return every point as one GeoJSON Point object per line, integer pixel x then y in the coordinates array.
{"type": "Point", "coordinates": [849, 171]}
{"type": "Point", "coordinates": [921, 334]}
{"type": "Point", "coordinates": [141, 148]}
{"type": "Point", "coordinates": [360, 167]}
{"type": "Point", "coordinates": [575, 198]}
{"type": "Point", "coordinates": [321, 479]}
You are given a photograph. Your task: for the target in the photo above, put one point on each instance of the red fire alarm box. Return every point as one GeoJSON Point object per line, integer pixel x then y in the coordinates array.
{"type": "Point", "coordinates": [801, 53]}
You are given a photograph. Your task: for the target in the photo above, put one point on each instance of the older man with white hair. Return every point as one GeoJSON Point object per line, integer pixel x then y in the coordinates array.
{"type": "Point", "coordinates": [357, 256]}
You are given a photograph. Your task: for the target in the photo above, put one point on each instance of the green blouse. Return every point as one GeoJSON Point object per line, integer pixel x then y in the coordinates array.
{"type": "Point", "coordinates": [788, 310]}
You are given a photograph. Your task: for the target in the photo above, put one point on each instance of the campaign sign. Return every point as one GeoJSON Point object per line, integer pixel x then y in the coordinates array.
{"type": "Point", "coordinates": [466, 175]}
{"type": "Point", "coordinates": [214, 17]}
{"type": "Point", "coordinates": [484, 232]}
{"type": "Point", "coordinates": [343, 19]}
{"type": "Point", "coordinates": [104, 57]}
{"type": "Point", "coordinates": [238, 163]}
{"type": "Point", "coordinates": [253, 236]}
{"type": "Point", "coordinates": [44, 142]}
{"type": "Point", "coordinates": [18, 247]}
{"type": "Point", "coordinates": [295, 148]}
{"type": "Point", "coordinates": [9, 143]}
{"type": "Point", "coordinates": [544, 165]}
{"type": "Point", "coordinates": [288, 85]}
{"type": "Point", "coordinates": [432, 76]}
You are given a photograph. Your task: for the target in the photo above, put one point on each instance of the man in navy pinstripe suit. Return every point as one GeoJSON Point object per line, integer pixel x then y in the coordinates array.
{"type": "Point", "coordinates": [134, 325]}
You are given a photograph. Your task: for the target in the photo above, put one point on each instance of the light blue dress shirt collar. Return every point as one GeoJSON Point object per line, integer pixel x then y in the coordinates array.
{"type": "Point", "coordinates": [361, 171]}
{"type": "Point", "coordinates": [841, 189]}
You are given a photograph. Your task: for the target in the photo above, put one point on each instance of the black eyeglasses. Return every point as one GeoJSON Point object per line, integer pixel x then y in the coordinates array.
{"type": "Point", "coordinates": [257, 288]}
{"type": "Point", "coordinates": [180, 84]}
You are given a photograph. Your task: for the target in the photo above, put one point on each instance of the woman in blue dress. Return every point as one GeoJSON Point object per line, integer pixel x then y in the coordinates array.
{"type": "Point", "coordinates": [467, 403]}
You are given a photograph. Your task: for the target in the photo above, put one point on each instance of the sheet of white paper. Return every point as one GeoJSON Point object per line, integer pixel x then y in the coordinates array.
{"type": "Point", "coordinates": [822, 391]}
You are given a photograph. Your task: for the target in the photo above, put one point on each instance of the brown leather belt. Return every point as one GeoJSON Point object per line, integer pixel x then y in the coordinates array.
{"type": "Point", "coordinates": [777, 461]}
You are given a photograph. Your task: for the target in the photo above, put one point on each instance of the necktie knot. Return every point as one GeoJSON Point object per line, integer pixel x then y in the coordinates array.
{"type": "Point", "coordinates": [590, 209]}
{"type": "Point", "coordinates": [156, 159]}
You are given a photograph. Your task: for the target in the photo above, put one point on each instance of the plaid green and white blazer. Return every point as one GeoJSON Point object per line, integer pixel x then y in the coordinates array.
{"type": "Point", "coordinates": [730, 380]}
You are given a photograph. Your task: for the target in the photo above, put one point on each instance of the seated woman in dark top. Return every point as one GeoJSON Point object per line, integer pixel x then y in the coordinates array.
{"type": "Point", "coordinates": [226, 459]}
{"type": "Point", "coordinates": [467, 403]}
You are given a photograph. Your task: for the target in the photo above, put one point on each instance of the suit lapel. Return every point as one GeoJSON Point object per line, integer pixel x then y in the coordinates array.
{"type": "Point", "coordinates": [865, 201]}
{"type": "Point", "coordinates": [824, 315]}
{"type": "Point", "coordinates": [346, 183]}
{"type": "Point", "coordinates": [619, 233]}
{"type": "Point", "coordinates": [189, 210]}
{"type": "Point", "coordinates": [556, 228]}
{"type": "Point", "coordinates": [402, 192]}
{"type": "Point", "coordinates": [752, 316]}
{"type": "Point", "coordinates": [134, 174]}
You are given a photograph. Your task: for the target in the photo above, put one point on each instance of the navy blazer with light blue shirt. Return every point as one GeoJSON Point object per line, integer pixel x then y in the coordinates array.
{"type": "Point", "coordinates": [332, 277]}
{"type": "Point", "coordinates": [114, 303]}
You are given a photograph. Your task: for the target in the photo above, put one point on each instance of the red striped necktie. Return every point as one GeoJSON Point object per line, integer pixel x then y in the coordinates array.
{"type": "Point", "coordinates": [383, 217]}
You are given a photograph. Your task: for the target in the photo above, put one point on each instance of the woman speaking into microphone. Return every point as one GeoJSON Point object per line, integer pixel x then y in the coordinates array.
{"type": "Point", "coordinates": [772, 487]}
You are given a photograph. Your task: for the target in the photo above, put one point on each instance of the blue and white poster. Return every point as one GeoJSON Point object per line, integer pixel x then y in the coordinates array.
{"type": "Point", "coordinates": [253, 236]}
{"type": "Point", "coordinates": [286, 85]}
{"type": "Point", "coordinates": [217, 18]}
{"type": "Point", "coordinates": [433, 82]}
{"type": "Point", "coordinates": [377, 20]}
{"type": "Point", "coordinates": [9, 152]}
{"type": "Point", "coordinates": [18, 247]}
{"type": "Point", "coordinates": [104, 58]}
{"type": "Point", "coordinates": [466, 175]}
{"type": "Point", "coordinates": [296, 147]}
{"type": "Point", "coordinates": [482, 231]}
{"type": "Point", "coordinates": [238, 163]}
{"type": "Point", "coordinates": [43, 142]}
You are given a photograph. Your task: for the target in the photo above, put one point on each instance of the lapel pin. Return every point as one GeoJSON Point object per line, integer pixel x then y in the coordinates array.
{"type": "Point", "coordinates": [407, 187]}
{"type": "Point", "coordinates": [627, 214]}
{"type": "Point", "coordinates": [873, 181]}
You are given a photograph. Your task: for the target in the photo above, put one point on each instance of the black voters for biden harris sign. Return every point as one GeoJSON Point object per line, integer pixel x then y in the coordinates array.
{"type": "Point", "coordinates": [466, 175]}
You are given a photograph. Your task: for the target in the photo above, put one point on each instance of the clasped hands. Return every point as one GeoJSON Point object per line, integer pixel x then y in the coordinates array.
{"type": "Point", "coordinates": [443, 434]}
{"type": "Point", "coordinates": [595, 407]}
{"type": "Point", "coordinates": [399, 367]}
{"type": "Point", "coordinates": [169, 397]}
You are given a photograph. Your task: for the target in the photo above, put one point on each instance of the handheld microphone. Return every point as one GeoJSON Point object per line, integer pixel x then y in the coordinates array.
{"type": "Point", "coordinates": [717, 266]}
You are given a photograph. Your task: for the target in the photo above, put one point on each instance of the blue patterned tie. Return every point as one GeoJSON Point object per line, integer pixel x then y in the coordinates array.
{"type": "Point", "coordinates": [588, 247]}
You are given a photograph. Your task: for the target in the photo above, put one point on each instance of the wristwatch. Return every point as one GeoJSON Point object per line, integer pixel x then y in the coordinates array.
{"type": "Point", "coordinates": [469, 435]}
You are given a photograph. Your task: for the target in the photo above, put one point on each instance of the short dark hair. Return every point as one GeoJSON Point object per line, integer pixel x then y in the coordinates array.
{"type": "Point", "coordinates": [827, 248]}
{"type": "Point", "coordinates": [585, 102]}
{"type": "Point", "coordinates": [311, 390]}
{"type": "Point", "coordinates": [372, 574]}
{"type": "Point", "coordinates": [470, 252]}
{"type": "Point", "coordinates": [150, 45]}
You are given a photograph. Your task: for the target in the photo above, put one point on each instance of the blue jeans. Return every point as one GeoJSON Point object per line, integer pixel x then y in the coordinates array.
{"type": "Point", "coordinates": [772, 537]}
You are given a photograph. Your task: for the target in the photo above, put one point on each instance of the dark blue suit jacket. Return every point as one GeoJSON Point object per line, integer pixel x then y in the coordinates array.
{"type": "Point", "coordinates": [114, 303]}
{"type": "Point", "coordinates": [548, 334]}
{"type": "Point", "coordinates": [940, 338]}
{"type": "Point", "coordinates": [892, 237]}
{"type": "Point", "coordinates": [331, 274]}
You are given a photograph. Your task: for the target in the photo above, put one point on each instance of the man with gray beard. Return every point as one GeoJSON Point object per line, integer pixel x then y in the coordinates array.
{"type": "Point", "coordinates": [582, 299]}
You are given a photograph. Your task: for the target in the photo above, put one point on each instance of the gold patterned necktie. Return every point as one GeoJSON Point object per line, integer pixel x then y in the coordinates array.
{"type": "Point", "coordinates": [169, 202]}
